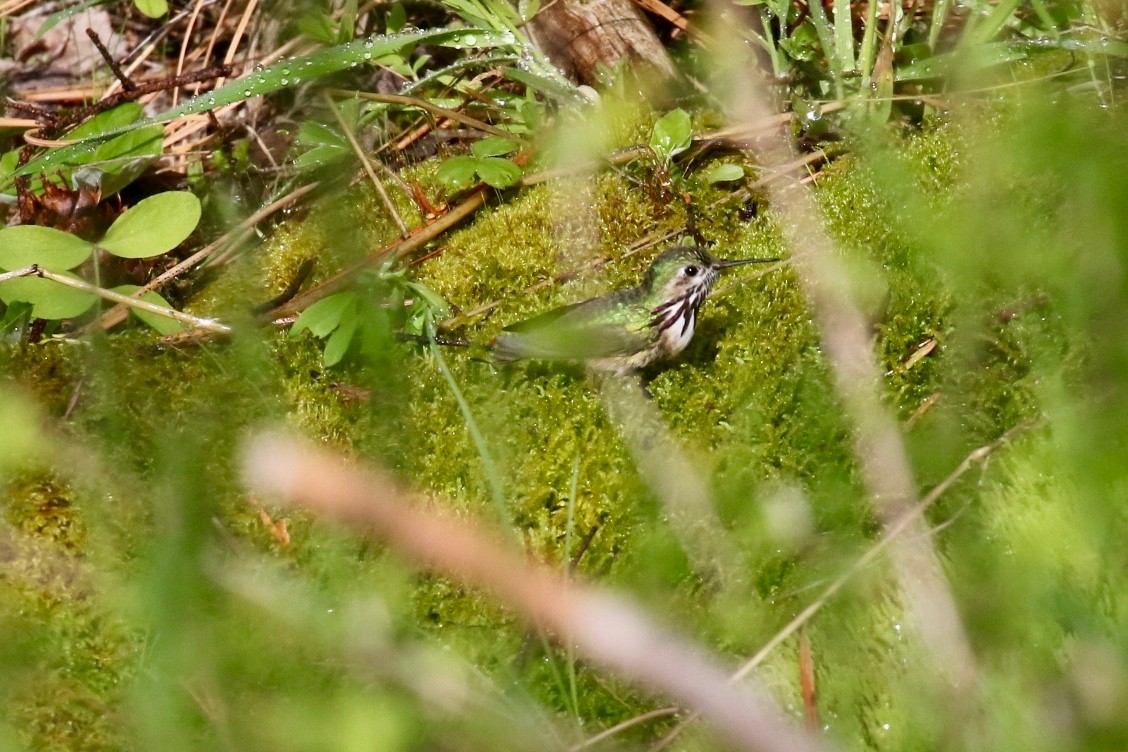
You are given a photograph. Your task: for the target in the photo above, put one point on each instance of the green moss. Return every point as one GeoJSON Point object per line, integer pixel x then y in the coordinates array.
{"type": "Point", "coordinates": [751, 400]}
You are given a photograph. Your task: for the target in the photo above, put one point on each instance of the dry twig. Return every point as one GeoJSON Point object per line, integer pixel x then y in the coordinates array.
{"type": "Point", "coordinates": [909, 520]}
{"type": "Point", "coordinates": [606, 628]}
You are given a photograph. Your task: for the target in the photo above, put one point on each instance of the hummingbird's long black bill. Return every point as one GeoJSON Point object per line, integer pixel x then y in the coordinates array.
{"type": "Point", "coordinates": [726, 263]}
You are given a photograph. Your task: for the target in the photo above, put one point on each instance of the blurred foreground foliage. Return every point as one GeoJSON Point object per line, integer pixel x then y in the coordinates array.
{"type": "Point", "coordinates": [149, 603]}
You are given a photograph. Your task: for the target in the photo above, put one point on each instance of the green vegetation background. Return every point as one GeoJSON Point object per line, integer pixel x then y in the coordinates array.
{"type": "Point", "coordinates": [145, 603]}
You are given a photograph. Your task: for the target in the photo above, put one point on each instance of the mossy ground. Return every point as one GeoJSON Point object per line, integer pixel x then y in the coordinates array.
{"type": "Point", "coordinates": [154, 604]}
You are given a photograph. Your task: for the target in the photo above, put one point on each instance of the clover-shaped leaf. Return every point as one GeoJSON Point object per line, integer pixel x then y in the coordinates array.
{"type": "Point", "coordinates": [497, 172]}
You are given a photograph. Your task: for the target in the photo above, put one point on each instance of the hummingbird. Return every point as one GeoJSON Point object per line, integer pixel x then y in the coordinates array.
{"type": "Point", "coordinates": [625, 330]}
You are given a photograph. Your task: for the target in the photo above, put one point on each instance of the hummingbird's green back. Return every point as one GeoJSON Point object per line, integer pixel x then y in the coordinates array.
{"type": "Point", "coordinates": [624, 330]}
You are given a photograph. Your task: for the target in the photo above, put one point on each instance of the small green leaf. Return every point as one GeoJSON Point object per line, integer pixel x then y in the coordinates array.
{"type": "Point", "coordinates": [123, 159]}
{"type": "Point", "coordinates": [324, 316]}
{"type": "Point", "coordinates": [152, 8]}
{"type": "Point", "coordinates": [428, 298]}
{"type": "Point", "coordinates": [312, 133]}
{"type": "Point", "coordinates": [153, 226]}
{"type": "Point", "coordinates": [24, 245]}
{"type": "Point", "coordinates": [346, 30]}
{"type": "Point", "coordinates": [672, 134]}
{"type": "Point", "coordinates": [500, 173]}
{"type": "Point", "coordinates": [318, 26]}
{"type": "Point", "coordinates": [319, 157]}
{"type": "Point", "coordinates": [338, 343]}
{"type": "Point", "coordinates": [49, 300]}
{"type": "Point", "coordinates": [528, 8]}
{"type": "Point", "coordinates": [550, 87]}
{"type": "Point", "coordinates": [494, 146]}
{"type": "Point", "coordinates": [458, 172]}
{"type": "Point", "coordinates": [119, 116]}
{"type": "Point", "coordinates": [395, 19]}
{"type": "Point", "coordinates": [325, 146]}
{"type": "Point", "coordinates": [724, 173]}
{"type": "Point", "coordinates": [60, 15]}
{"type": "Point", "coordinates": [162, 324]}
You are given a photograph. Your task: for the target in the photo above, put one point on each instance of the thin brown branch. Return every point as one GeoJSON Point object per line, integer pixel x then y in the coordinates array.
{"type": "Point", "coordinates": [142, 305]}
{"type": "Point", "coordinates": [420, 236]}
{"type": "Point", "coordinates": [376, 183]}
{"type": "Point", "coordinates": [126, 83]}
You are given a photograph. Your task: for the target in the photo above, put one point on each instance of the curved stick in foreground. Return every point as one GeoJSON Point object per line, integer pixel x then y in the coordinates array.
{"type": "Point", "coordinates": [605, 628]}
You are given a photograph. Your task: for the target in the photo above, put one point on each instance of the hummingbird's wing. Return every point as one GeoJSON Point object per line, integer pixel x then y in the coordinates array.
{"type": "Point", "coordinates": [581, 331]}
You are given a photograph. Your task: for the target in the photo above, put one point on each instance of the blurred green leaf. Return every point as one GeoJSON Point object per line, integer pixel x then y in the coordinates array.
{"type": "Point", "coordinates": [311, 133]}
{"type": "Point", "coordinates": [528, 9]}
{"type": "Point", "coordinates": [153, 226]}
{"type": "Point", "coordinates": [973, 58]}
{"type": "Point", "coordinates": [458, 172]}
{"type": "Point", "coordinates": [338, 343]}
{"type": "Point", "coordinates": [125, 158]}
{"type": "Point", "coordinates": [111, 165]}
{"type": "Point", "coordinates": [50, 300]}
{"type": "Point", "coordinates": [152, 8]}
{"type": "Point", "coordinates": [494, 146]}
{"type": "Point", "coordinates": [21, 439]}
{"type": "Point", "coordinates": [550, 87]}
{"type": "Point", "coordinates": [162, 324]}
{"type": "Point", "coordinates": [346, 29]}
{"type": "Point", "coordinates": [724, 173]}
{"type": "Point", "coordinates": [497, 172]}
{"type": "Point", "coordinates": [672, 134]}
{"type": "Point", "coordinates": [396, 18]}
{"type": "Point", "coordinates": [319, 157]}
{"type": "Point", "coordinates": [324, 316]}
{"type": "Point", "coordinates": [324, 145]}
{"type": "Point", "coordinates": [61, 15]}
{"type": "Point", "coordinates": [122, 115]}
{"type": "Point", "coordinates": [318, 26]}
{"type": "Point", "coordinates": [24, 245]}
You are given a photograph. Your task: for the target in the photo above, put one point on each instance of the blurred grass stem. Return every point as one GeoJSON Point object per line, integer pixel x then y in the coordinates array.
{"type": "Point", "coordinates": [606, 628]}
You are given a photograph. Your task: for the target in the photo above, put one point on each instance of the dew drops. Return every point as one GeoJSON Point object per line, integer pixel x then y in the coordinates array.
{"type": "Point", "coordinates": [470, 39]}
{"type": "Point", "coordinates": [285, 82]}
{"type": "Point", "coordinates": [368, 56]}
{"type": "Point", "coordinates": [246, 92]}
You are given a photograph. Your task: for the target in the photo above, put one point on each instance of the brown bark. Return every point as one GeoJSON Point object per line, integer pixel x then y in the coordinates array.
{"type": "Point", "coordinates": [580, 35]}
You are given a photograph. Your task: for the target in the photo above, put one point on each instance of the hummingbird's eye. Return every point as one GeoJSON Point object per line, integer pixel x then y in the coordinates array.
{"type": "Point", "coordinates": [691, 271]}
